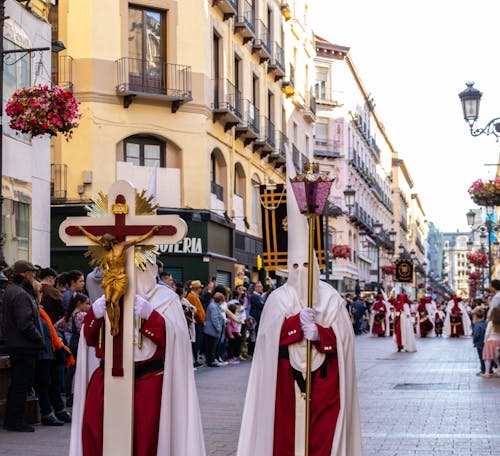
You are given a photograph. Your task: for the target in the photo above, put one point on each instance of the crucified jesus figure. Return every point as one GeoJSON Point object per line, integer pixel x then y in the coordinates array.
{"type": "Point", "coordinates": [115, 279]}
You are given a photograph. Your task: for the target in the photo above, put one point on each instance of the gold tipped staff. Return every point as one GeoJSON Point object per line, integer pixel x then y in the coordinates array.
{"type": "Point", "coordinates": [311, 192]}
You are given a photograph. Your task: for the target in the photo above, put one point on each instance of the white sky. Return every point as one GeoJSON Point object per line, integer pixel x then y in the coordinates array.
{"type": "Point", "coordinates": [414, 58]}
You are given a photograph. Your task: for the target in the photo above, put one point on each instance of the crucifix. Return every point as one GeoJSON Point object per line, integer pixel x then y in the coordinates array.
{"type": "Point", "coordinates": [120, 227]}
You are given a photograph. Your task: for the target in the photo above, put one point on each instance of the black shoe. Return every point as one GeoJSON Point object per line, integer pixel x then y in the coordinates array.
{"type": "Point", "coordinates": [64, 416]}
{"type": "Point", "coordinates": [20, 428]}
{"type": "Point", "coordinates": [51, 420]}
{"type": "Point", "coordinates": [69, 401]}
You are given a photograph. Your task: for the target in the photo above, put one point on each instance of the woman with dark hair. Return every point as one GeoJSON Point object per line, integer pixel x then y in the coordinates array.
{"type": "Point", "coordinates": [70, 325]}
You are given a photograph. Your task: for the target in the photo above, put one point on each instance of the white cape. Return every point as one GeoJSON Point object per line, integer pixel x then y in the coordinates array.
{"type": "Point", "coordinates": [180, 431]}
{"type": "Point", "coordinates": [465, 319]}
{"type": "Point", "coordinates": [407, 333]}
{"type": "Point", "coordinates": [431, 315]}
{"type": "Point", "coordinates": [257, 426]}
{"type": "Point", "coordinates": [387, 319]}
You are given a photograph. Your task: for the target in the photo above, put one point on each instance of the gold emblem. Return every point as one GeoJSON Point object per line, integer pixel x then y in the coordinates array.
{"type": "Point", "coordinates": [119, 208]}
{"type": "Point", "coordinates": [284, 224]}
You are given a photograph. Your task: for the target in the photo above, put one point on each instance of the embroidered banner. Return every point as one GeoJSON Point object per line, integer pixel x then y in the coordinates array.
{"type": "Point", "coordinates": [275, 227]}
{"type": "Point", "coordinates": [404, 271]}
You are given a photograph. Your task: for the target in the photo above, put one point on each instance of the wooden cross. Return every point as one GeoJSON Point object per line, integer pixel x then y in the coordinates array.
{"type": "Point", "coordinates": [122, 222]}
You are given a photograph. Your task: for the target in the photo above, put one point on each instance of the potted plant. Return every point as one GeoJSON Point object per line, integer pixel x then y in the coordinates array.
{"type": "Point", "coordinates": [478, 258]}
{"type": "Point", "coordinates": [485, 193]}
{"type": "Point", "coordinates": [341, 251]}
{"type": "Point", "coordinates": [389, 269]}
{"type": "Point", "coordinates": [41, 110]}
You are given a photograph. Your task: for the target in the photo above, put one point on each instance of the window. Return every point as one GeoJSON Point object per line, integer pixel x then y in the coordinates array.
{"type": "Point", "coordinates": [15, 76]}
{"type": "Point", "coordinates": [144, 151]}
{"type": "Point", "coordinates": [22, 218]}
{"type": "Point", "coordinates": [146, 49]}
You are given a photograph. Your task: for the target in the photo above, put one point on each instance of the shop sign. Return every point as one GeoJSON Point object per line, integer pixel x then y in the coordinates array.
{"type": "Point", "coordinates": [187, 245]}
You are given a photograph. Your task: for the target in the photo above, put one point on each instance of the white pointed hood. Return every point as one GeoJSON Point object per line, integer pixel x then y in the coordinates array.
{"type": "Point", "coordinates": [298, 245]}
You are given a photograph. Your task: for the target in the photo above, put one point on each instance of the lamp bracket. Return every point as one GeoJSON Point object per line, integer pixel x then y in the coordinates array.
{"type": "Point", "coordinates": [491, 128]}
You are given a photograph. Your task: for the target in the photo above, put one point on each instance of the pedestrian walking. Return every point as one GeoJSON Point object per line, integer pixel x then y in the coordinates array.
{"type": "Point", "coordinates": [478, 332]}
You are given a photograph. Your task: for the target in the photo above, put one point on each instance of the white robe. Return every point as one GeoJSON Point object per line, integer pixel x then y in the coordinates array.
{"type": "Point", "coordinates": [387, 319]}
{"type": "Point", "coordinates": [431, 315]}
{"type": "Point", "coordinates": [465, 319]}
{"type": "Point", "coordinates": [257, 426]}
{"type": "Point", "coordinates": [180, 430]}
{"type": "Point", "coordinates": [407, 333]}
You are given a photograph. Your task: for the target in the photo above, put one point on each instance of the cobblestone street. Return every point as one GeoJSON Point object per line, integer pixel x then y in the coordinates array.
{"type": "Point", "coordinates": [424, 403]}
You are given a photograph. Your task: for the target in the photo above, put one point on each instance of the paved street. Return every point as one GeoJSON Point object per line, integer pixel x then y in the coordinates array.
{"type": "Point", "coordinates": [424, 403]}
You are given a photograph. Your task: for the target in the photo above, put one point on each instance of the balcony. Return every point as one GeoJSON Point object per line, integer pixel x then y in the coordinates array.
{"type": "Point", "coordinates": [62, 71]}
{"type": "Point", "coordinates": [261, 45]}
{"type": "Point", "coordinates": [310, 111]}
{"type": "Point", "coordinates": [229, 8]}
{"type": "Point", "coordinates": [58, 182]}
{"type": "Point", "coordinates": [244, 23]}
{"type": "Point", "coordinates": [266, 142]}
{"type": "Point", "coordinates": [323, 95]}
{"type": "Point", "coordinates": [278, 157]}
{"type": "Point", "coordinates": [360, 218]}
{"type": "Point", "coordinates": [228, 105]}
{"type": "Point", "coordinates": [248, 129]}
{"type": "Point", "coordinates": [288, 83]}
{"type": "Point", "coordinates": [277, 63]}
{"type": "Point", "coordinates": [153, 79]}
{"type": "Point", "coordinates": [217, 190]}
{"type": "Point", "coordinates": [403, 225]}
{"type": "Point", "coordinates": [327, 148]}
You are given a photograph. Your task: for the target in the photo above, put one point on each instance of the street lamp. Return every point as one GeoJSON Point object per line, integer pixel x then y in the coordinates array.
{"type": "Point", "coordinates": [470, 99]}
{"type": "Point", "coordinates": [349, 197]}
{"type": "Point", "coordinates": [471, 215]}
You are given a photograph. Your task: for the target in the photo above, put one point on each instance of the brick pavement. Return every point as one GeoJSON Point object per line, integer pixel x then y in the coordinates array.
{"type": "Point", "coordinates": [424, 403]}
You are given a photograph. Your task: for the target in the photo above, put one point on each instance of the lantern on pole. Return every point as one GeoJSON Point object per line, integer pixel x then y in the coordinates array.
{"type": "Point", "coordinates": [311, 190]}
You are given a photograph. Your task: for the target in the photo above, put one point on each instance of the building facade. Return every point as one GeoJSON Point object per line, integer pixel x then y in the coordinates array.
{"type": "Point", "coordinates": [26, 160]}
{"type": "Point", "coordinates": [456, 268]}
{"type": "Point", "coordinates": [203, 94]}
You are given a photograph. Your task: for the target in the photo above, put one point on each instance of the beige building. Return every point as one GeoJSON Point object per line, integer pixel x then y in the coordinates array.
{"type": "Point", "coordinates": [191, 90]}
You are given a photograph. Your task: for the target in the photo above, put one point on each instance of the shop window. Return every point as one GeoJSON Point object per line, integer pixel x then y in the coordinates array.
{"type": "Point", "coordinates": [223, 278]}
{"type": "Point", "coordinates": [144, 151]}
{"type": "Point", "coordinates": [177, 274]}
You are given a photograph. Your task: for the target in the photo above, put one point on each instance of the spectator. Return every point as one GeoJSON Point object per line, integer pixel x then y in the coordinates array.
{"type": "Point", "coordinates": [251, 335]}
{"type": "Point", "coordinates": [93, 284]}
{"type": "Point", "coordinates": [257, 301]}
{"type": "Point", "coordinates": [478, 331]}
{"type": "Point", "coordinates": [189, 311]}
{"type": "Point", "coordinates": [61, 282]}
{"type": "Point", "coordinates": [51, 296]}
{"type": "Point", "coordinates": [495, 301]}
{"type": "Point", "coordinates": [167, 280]}
{"type": "Point", "coordinates": [75, 282]}
{"type": "Point", "coordinates": [193, 297]}
{"type": "Point", "coordinates": [70, 325]}
{"type": "Point", "coordinates": [491, 340]}
{"type": "Point", "coordinates": [47, 378]}
{"type": "Point", "coordinates": [358, 311]}
{"type": "Point", "coordinates": [3, 284]}
{"type": "Point", "coordinates": [233, 330]}
{"type": "Point", "coordinates": [213, 329]}
{"type": "Point", "coordinates": [24, 340]}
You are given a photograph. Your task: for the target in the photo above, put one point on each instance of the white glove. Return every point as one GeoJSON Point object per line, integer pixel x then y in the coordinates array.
{"type": "Point", "coordinates": [142, 308]}
{"type": "Point", "coordinates": [99, 307]}
{"type": "Point", "coordinates": [307, 316]}
{"type": "Point", "coordinates": [311, 332]}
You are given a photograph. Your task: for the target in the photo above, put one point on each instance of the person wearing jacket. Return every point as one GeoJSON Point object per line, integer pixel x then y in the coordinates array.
{"type": "Point", "coordinates": [23, 341]}
{"type": "Point", "coordinates": [213, 328]}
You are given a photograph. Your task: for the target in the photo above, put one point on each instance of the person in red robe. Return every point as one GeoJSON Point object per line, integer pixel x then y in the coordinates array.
{"type": "Point", "coordinates": [439, 321]}
{"type": "Point", "coordinates": [425, 325]}
{"type": "Point", "coordinates": [379, 313]}
{"type": "Point", "coordinates": [399, 309]}
{"type": "Point", "coordinates": [457, 321]}
{"type": "Point", "coordinates": [148, 385]}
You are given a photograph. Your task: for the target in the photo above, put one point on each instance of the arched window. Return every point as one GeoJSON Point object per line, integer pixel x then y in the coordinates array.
{"type": "Point", "coordinates": [255, 202]}
{"type": "Point", "coordinates": [239, 180]}
{"type": "Point", "coordinates": [218, 176]}
{"type": "Point", "coordinates": [145, 150]}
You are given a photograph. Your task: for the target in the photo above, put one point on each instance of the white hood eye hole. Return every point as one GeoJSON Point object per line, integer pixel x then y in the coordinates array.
{"type": "Point", "coordinates": [306, 265]}
{"type": "Point", "coordinates": [295, 265]}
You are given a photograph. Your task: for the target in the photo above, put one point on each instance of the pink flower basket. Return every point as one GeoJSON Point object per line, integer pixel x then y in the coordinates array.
{"type": "Point", "coordinates": [41, 110]}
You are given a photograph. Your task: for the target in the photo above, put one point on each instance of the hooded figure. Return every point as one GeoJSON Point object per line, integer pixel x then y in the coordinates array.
{"type": "Point", "coordinates": [167, 419]}
{"type": "Point", "coordinates": [380, 317]}
{"type": "Point", "coordinates": [273, 421]}
{"type": "Point", "coordinates": [425, 318]}
{"type": "Point", "coordinates": [457, 321]}
{"type": "Point", "coordinates": [404, 335]}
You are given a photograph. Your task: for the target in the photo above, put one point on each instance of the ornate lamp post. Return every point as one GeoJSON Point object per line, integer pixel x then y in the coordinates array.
{"type": "Point", "coordinates": [311, 192]}
{"type": "Point", "coordinates": [470, 99]}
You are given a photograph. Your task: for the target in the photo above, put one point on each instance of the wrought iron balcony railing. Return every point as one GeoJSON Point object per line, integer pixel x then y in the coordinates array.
{"type": "Point", "coordinates": [58, 181]}
{"type": "Point", "coordinates": [62, 71]}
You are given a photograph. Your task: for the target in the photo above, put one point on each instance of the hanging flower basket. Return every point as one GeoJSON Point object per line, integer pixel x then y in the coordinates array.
{"type": "Point", "coordinates": [341, 251]}
{"type": "Point", "coordinates": [420, 286]}
{"type": "Point", "coordinates": [485, 193]}
{"type": "Point", "coordinates": [41, 110]}
{"type": "Point", "coordinates": [475, 275]}
{"type": "Point", "coordinates": [478, 259]}
{"type": "Point", "coordinates": [389, 269]}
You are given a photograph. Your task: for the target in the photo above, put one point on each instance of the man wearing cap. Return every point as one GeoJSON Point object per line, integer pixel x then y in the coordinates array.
{"type": "Point", "coordinates": [51, 296]}
{"type": "Point", "coordinates": [193, 297]}
{"type": "Point", "coordinates": [23, 340]}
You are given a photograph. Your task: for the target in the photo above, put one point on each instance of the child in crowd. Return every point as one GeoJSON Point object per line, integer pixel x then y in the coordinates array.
{"type": "Point", "coordinates": [234, 336]}
{"type": "Point", "coordinates": [478, 332]}
{"type": "Point", "coordinates": [491, 340]}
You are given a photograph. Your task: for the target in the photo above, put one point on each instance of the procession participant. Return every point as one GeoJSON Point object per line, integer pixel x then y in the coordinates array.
{"type": "Point", "coordinates": [273, 421]}
{"type": "Point", "coordinates": [438, 320]}
{"type": "Point", "coordinates": [380, 318]}
{"type": "Point", "coordinates": [457, 322]}
{"type": "Point", "coordinates": [404, 335]}
{"type": "Point", "coordinates": [166, 415]}
{"type": "Point", "coordinates": [425, 325]}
